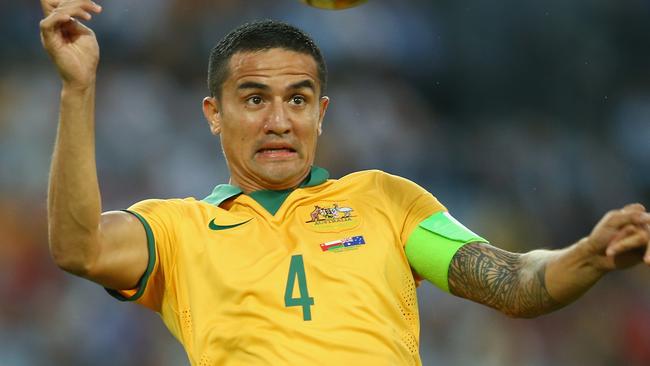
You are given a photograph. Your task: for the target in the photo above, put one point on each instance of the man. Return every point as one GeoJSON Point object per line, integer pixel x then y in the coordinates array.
{"type": "Point", "coordinates": [283, 265]}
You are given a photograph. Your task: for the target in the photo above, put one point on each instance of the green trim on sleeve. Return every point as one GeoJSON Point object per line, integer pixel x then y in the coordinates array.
{"type": "Point", "coordinates": [433, 244]}
{"type": "Point", "coordinates": [142, 284]}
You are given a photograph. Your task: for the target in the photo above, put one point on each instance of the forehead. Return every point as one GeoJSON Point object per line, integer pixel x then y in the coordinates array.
{"type": "Point", "coordinates": [275, 65]}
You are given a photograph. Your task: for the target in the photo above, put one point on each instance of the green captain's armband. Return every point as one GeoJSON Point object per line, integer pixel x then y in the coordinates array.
{"type": "Point", "coordinates": [432, 245]}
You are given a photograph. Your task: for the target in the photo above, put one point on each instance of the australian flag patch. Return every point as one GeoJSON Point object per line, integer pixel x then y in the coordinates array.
{"type": "Point", "coordinates": [343, 244]}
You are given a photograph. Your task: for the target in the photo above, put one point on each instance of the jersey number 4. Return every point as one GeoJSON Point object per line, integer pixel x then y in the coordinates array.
{"type": "Point", "coordinates": [297, 271]}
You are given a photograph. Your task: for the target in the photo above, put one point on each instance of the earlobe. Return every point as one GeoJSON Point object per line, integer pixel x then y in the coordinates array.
{"type": "Point", "coordinates": [212, 114]}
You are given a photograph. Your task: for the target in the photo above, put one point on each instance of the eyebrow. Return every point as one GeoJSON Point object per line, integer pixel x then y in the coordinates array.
{"type": "Point", "coordinates": [252, 85]}
{"type": "Point", "coordinates": [295, 86]}
{"type": "Point", "coordinates": [303, 84]}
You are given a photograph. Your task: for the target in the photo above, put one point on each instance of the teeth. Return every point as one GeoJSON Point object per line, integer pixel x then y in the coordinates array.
{"type": "Point", "coordinates": [279, 149]}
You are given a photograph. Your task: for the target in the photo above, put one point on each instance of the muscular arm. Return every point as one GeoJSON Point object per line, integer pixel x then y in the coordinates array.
{"type": "Point", "coordinates": [109, 249]}
{"type": "Point", "coordinates": [74, 203]}
{"type": "Point", "coordinates": [541, 281]}
{"type": "Point", "coordinates": [510, 282]}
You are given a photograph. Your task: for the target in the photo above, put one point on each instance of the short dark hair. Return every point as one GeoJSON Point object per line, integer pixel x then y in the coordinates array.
{"type": "Point", "coordinates": [258, 36]}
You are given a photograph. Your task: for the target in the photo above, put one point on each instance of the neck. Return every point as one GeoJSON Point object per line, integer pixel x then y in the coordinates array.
{"type": "Point", "coordinates": [248, 186]}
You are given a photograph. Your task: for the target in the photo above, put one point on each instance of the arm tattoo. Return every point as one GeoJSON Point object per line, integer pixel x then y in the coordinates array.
{"type": "Point", "coordinates": [510, 282]}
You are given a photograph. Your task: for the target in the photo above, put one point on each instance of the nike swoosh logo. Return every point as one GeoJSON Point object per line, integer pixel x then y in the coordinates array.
{"type": "Point", "coordinates": [214, 226]}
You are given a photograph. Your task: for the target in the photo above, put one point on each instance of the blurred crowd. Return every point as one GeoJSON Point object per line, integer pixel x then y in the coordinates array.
{"type": "Point", "coordinates": [527, 120]}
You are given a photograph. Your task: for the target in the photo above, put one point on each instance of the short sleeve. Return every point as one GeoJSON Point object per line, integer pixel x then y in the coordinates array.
{"type": "Point", "coordinates": [412, 203]}
{"type": "Point", "coordinates": [158, 218]}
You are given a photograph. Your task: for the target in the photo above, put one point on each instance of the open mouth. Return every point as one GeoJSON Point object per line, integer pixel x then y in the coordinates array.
{"type": "Point", "coordinates": [276, 152]}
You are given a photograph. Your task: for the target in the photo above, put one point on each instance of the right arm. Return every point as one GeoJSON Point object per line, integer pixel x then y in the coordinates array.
{"type": "Point", "coordinates": [108, 248]}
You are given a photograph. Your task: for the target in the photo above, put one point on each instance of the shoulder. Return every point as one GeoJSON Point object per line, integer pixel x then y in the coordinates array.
{"type": "Point", "coordinates": [169, 205]}
{"type": "Point", "coordinates": [397, 192]}
{"type": "Point", "coordinates": [368, 176]}
{"type": "Point", "coordinates": [379, 179]}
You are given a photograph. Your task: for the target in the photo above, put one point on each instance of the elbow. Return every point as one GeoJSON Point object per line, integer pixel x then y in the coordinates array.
{"type": "Point", "coordinates": [74, 261]}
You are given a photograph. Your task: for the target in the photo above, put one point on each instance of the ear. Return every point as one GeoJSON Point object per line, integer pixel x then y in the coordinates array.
{"type": "Point", "coordinates": [323, 103]}
{"type": "Point", "coordinates": [212, 114]}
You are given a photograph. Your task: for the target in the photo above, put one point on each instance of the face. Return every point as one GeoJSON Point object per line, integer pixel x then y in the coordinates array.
{"type": "Point", "coordinates": [269, 118]}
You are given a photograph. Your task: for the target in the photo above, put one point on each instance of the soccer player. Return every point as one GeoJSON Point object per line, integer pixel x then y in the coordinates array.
{"type": "Point", "coordinates": [284, 266]}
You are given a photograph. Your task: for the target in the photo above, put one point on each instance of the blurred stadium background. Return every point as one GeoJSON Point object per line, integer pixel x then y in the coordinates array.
{"type": "Point", "coordinates": [528, 120]}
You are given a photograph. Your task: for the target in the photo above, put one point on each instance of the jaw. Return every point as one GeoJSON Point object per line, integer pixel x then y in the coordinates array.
{"type": "Point", "coordinates": [280, 172]}
{"type": "Point", "coordinates": [270, 174]}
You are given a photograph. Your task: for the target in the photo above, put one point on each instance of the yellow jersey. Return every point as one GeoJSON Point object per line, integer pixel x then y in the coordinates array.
{"type": "Point", "coordinates": [313, 276]}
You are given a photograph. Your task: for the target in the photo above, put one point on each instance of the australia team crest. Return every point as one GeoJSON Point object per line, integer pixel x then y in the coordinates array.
{"type": "Point", "coordinates": [331, 217]}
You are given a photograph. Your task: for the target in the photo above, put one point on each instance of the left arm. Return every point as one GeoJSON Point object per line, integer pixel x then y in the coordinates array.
{"type": "Point", "coordinates": [512, 283]}
{"type": "Point", "coordinates": [541, 281]}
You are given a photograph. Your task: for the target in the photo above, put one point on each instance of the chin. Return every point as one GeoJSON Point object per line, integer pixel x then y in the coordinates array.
{"type": "Point", "coordinates": [282, 176]}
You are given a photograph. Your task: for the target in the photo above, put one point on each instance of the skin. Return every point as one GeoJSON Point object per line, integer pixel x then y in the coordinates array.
{"type": "Point", "coordinates": [534, 283]}
{"type": "Point", "coordinates": [108, 248]}
{"type": "Point", "coordinates": [271, 99]}
{"type": "Point", "coordinates": [269, 118]}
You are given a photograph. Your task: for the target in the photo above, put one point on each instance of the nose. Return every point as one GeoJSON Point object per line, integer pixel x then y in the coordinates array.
{"type": "Point", "coordinates": [277, 121]}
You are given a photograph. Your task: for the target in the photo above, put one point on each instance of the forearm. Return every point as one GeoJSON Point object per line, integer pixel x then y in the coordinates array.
{"type": "Point", "coordinates": [515, 284]}
{"type": "Point", "coordinates": [74, 203]}
{"type": "Point", "coordinates": [571, 271]}
{"type": "Point", "coordinates": [535, 283]}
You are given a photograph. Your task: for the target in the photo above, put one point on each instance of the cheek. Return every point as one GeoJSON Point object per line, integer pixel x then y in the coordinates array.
{"type": "Point", "coordinates": [241, 131]}
{"type": "Point", "coordinates": [234, 138]}
{"type": "Point", "coordinates": [242, 139]}
{"type": "Point", "coordinates": [308, 133]}
{"type": "Point", "coordinates": [308, 118]}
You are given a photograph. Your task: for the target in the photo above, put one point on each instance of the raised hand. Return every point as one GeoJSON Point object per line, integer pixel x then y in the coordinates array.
{"type": "Point", "coordinates": [71, 45]}
{"type": "Point", "coordinates": [622, 237]}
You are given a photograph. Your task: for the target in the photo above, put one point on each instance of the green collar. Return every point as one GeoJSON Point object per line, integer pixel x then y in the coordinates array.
{"type": "Point", "coordinates": [270, 200]}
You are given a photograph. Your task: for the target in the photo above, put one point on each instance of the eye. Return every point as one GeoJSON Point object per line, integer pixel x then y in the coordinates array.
{"type": "Point", "coordinates": [254, 100]}
{"type": "Point", "coordinates": [297, 100]}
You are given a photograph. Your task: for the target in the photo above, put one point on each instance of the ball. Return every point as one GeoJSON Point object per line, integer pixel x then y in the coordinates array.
{"type": "Point", "coordinates": [333, 4]}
